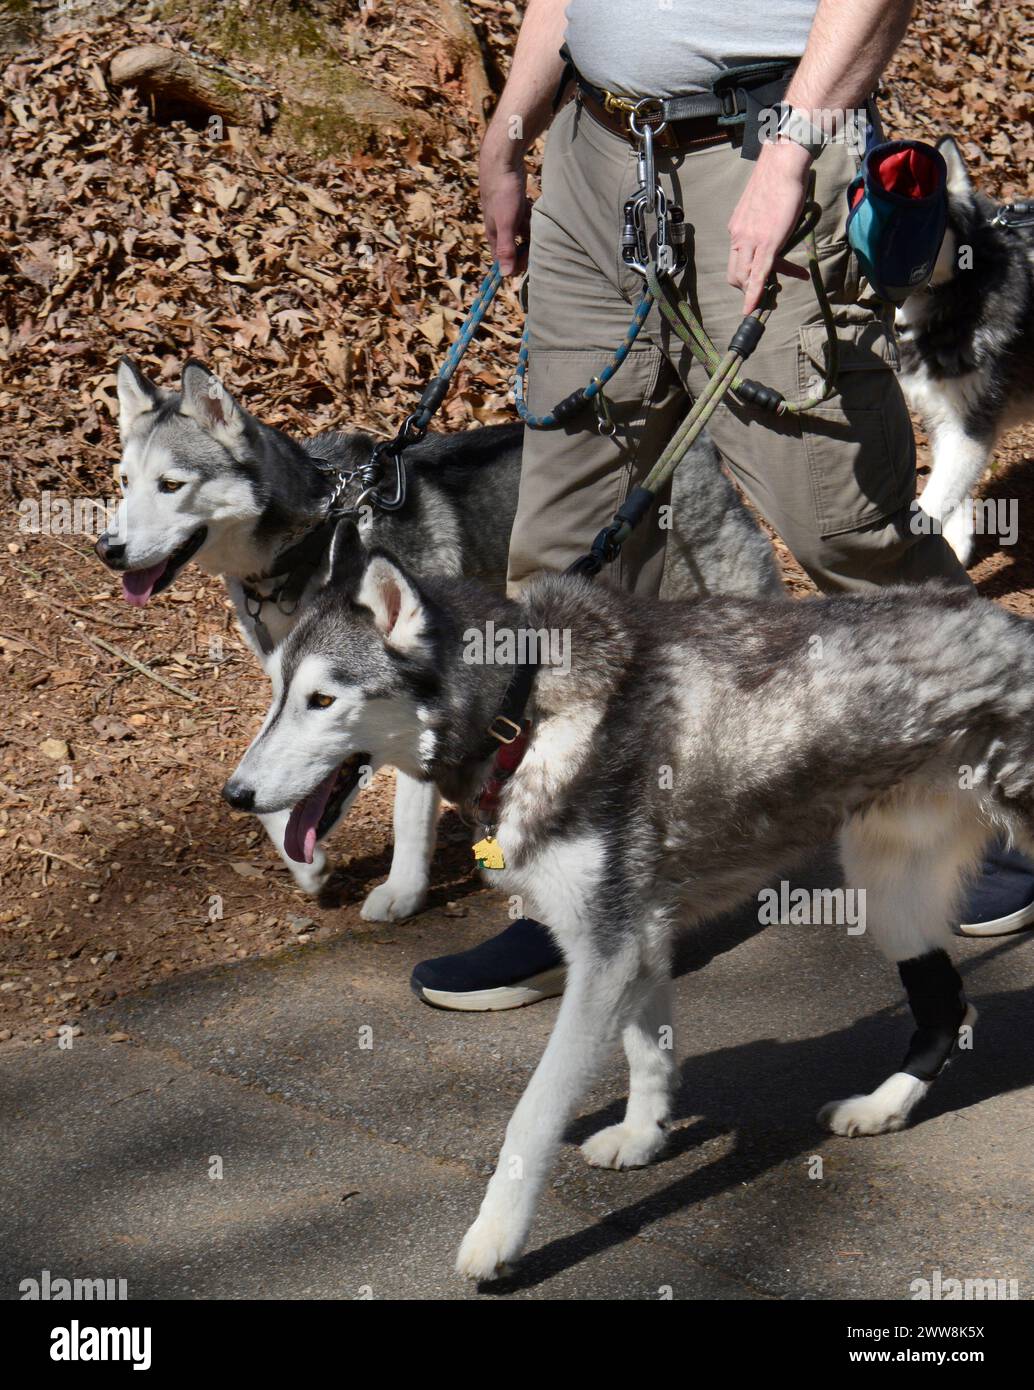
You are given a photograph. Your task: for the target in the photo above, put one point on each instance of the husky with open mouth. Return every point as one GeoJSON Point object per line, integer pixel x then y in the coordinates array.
{"type": "Point", "coordinates": [779, 726]}
{"type": "Point", "coordinates": [204, 480]}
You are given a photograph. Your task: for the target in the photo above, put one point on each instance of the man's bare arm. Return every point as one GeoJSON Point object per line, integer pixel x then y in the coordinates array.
{"type": "Point", "coordinates": [523, 113]}
{"type": "Point", "coordinates": [850, 44]}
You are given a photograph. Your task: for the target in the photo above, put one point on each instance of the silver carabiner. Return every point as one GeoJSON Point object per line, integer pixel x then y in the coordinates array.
{"type": "Point", "coordinates": [664, 253]}
{"type": "Point", "coordinates": [641, 127]}
{"type": "Point", "coordinates": [634, 243]}
{"type": "Point", "coordinates": [604, 420]}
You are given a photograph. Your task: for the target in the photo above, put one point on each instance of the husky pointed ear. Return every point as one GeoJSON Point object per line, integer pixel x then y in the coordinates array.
{"type": "Point", "coordinates": [136, 395]}
{"type": "Point", "coordinates": [395, 602]}
{"type": "Point", "coordinates": [206, 400]}
{"type": "Point", "coordinates": [960, 185]}
{"type": "Point", "coordinates": [346, 558]}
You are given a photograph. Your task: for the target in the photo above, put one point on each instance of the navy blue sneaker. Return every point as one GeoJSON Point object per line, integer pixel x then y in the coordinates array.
{"type": "Point", "coordinates": [519, 966]}
{"type": "Point", "coordinates": [1002, 899]}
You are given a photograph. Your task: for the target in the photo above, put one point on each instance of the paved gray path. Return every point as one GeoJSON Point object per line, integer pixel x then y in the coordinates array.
{"type": "Point", "coordinates": [351, 1168]}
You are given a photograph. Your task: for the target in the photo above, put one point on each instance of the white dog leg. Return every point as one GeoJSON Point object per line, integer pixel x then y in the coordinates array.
{"type": "Point", "coordinates": [911, 857]}
{"type": "Point", "coordinates": [404, 891]}
{"type": "Point", "coordinates": [650, 1047]}
{"type": "Point", "coordinates": [881, 1112]}
{"type": "Point", "coordinates": [959, 462]}
{"type": "Point", "coordinates": [593, 1011]}
{"type": "Point", "coordinates": [310, 878]}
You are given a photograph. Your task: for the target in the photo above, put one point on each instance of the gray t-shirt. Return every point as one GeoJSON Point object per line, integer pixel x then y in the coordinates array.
{"type": "Point", "coordinates": [664, 48]}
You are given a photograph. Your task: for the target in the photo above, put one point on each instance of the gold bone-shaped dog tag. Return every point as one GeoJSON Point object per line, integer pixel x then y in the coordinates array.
{"type": "Point", "coordinates": [488, 855]}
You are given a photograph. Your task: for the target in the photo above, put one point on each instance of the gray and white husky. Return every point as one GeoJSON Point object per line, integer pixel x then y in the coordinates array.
{"type": "Point", "coordinates": [684, 755]}
{"type": "Point", "coordinates": [967, 347]}
{"type": "Point", "coordinates": [204, 480]}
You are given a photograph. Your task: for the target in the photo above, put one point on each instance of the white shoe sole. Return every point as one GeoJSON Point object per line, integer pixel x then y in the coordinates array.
{"type": "Point", "coordinates": [1000, 926]}
{"type": "Point", "coordinates": [479, 1001]}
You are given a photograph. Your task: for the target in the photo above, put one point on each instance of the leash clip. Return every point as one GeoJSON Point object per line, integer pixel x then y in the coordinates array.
{"type": "Point", "coordinates": [371, 474]}
{"type": "Point", "coordinates": [254, 602]}
{"type": "Point", "coordinates": [1017, 214]}
{"type": "Point", "coordinates": [669, 250]}
{"type": "Point", "coordinates": [670, 247]}
{"type": "Point", "coordinates": [634, 246]}
{"type": "Point", "coordinates": [604, 420]}
{"type": "Point", "coordinates": [617, 106]}
{"type": "Point", "coordinates": [645, 121]}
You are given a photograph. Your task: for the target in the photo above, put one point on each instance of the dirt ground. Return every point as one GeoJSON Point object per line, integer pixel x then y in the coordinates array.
{"type": "Point", "coordinates": [119, 863]}
{"type": "Point", "coordinates": [325, 291]}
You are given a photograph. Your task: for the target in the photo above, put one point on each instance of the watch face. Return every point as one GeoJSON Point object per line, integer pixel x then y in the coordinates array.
{"type": "Point", "coordinates": [795, 125]}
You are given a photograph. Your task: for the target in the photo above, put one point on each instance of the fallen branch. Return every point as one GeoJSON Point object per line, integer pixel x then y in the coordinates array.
{"type": "Point", "coordinates": [173, 79]}
{"type": "Point", "coordinates": [140, 666]}
{"type": "Point", "coordinates": [61, 858]}
{"type": "Point", "coordinates": [24, 642]}
{"type": "Point", "coordinates": [76, 612]}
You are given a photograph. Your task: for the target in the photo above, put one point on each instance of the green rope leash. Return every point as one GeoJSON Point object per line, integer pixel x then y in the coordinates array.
{"type": "Point", "coordinates": [723, 377]}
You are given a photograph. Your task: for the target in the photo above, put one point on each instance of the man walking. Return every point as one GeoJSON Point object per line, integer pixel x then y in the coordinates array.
{"type": "Point", "coordinates": [838, 482]}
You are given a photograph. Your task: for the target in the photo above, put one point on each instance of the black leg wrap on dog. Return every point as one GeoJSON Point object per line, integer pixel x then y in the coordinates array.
{"type": "Point", "coordinates": [938, 1004]}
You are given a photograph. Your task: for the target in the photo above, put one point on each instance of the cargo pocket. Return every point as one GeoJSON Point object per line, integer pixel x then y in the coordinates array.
{"type": "Point", "coordinates": [859, 444]}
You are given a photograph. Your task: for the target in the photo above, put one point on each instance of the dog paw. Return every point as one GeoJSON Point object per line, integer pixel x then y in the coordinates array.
{"type": "Point", "coordinates": [387, 903]}
{"type": "Point", "coordinates": [486, 1251]}
{"type": "Point", "coordinates": [958, 532]}
{"type": "Point", "coordinates": [620, 1146]}
{"type": "Point", "coordinates": [861, 1115]}
{"type": "Point", "coordinates": [881, 1112]}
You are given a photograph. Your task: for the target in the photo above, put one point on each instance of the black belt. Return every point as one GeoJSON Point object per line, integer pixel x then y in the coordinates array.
{"type": "Point", "coordinates": [737, 98]}
{"type": "Point", "coordinates": [680, 135]}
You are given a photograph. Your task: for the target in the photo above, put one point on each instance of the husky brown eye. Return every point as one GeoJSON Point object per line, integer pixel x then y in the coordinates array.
{"type": "Point", "coordinates": [168, 485]}
{"type": "Point", "coordinates": [318, 701]}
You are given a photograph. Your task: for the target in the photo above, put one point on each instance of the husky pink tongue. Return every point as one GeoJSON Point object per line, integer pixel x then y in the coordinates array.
{"type": "Point", "coordinates": [300, 834]}
{"type": "Point", "coordinates": [137, 585]}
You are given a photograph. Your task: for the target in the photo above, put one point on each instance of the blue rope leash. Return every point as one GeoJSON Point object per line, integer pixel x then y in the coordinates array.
{"type": "Point", "coordinates": [435, 392]}
{"type": "Point", "coordinates": [416, 424]}
{"type": "Point", "coordinates": [572, 404]}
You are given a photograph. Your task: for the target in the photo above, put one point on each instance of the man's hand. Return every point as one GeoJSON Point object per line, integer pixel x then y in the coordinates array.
{"type": "Point", "coordinates": [764, 218]}
{"type": "Point", "coordinates": [525, 110]}
{"type": "Point", "coordinates": [850, 44]}
{"type": "Point", "coordinates": [505, 205]}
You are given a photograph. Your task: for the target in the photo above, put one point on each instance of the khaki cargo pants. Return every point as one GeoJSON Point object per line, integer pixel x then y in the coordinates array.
{"type": "Point", "coordinates": [835, 484]}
